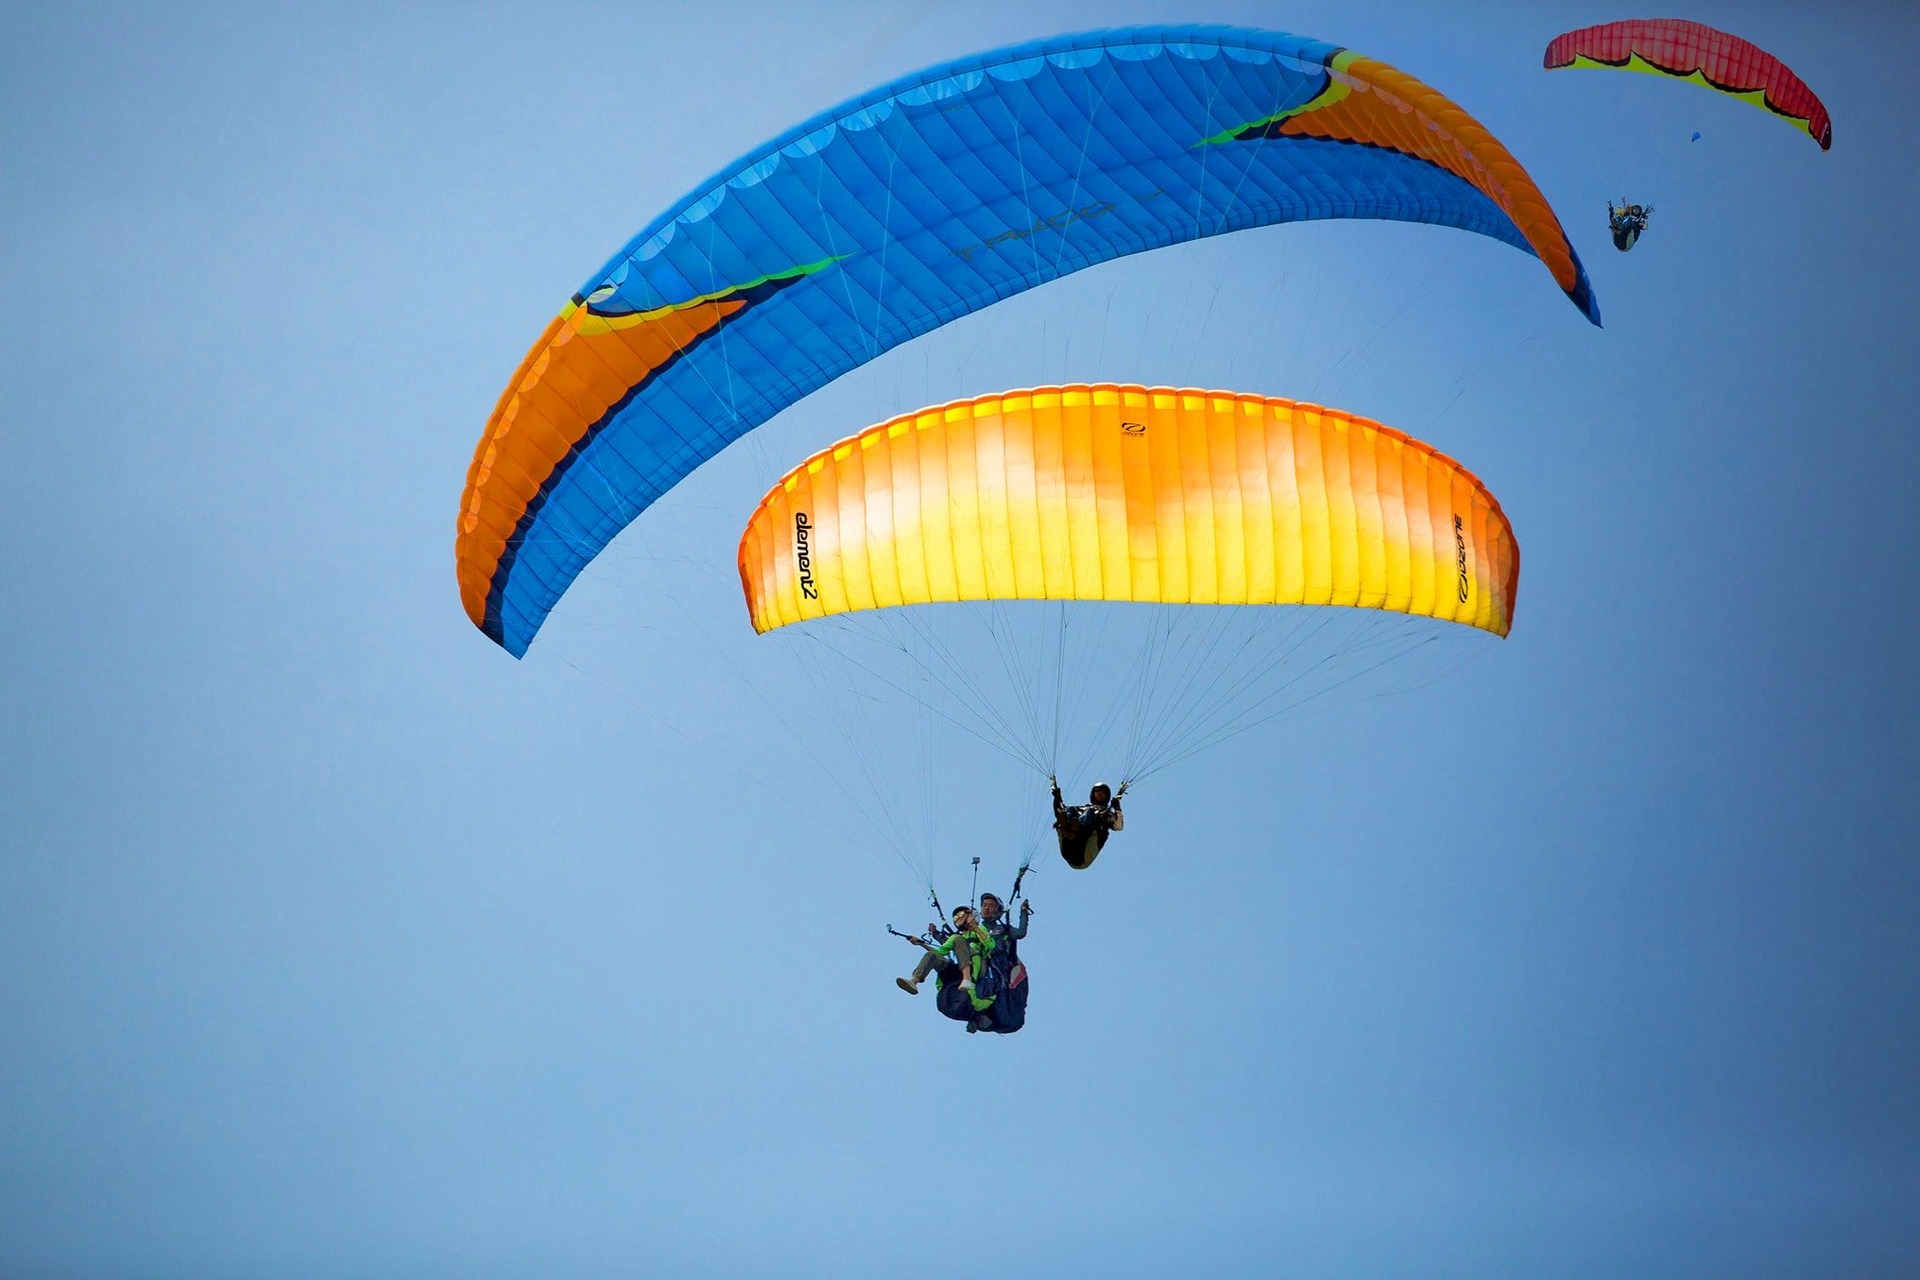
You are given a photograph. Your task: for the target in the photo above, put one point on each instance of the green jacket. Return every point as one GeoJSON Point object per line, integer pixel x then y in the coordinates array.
{"type": "Point", "coordinates": [981, 946]}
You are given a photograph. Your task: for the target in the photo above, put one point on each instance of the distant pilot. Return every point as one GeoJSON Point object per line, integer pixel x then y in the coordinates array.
{"type": "Point", "coordinates": [1626, 223]}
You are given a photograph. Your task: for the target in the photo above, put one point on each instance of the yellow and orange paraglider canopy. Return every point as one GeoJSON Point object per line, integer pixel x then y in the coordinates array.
{"type": "Point", "coordinates": [1130, 493]}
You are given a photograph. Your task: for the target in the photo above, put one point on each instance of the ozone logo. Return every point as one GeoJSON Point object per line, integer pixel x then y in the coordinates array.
{"type": "Point", "coordinates": [1133, 428]}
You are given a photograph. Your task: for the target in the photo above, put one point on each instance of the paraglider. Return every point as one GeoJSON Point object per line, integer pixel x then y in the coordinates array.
{"type": "Point", "coordinates": [979, 979]}
{"type": "Point", "coordinates": [1627, 222]}
{"type": "Point", "coordinates": [1696, 52]}
{"type": "Point", "coordinates": [1010, 1006]}
{"type": "Point", "coordinates": [1166, 499]}
{"type": "Point", "coordinates": [1158, 498]}
{"type": "Point", "coordinates": [1083, 828]}
{"type": "Point", "coordinates": [966, 942]}
{"type": "Point", "coordinates": [922, 201]}
{"type": "Point", "coordinates": [1006, 936]}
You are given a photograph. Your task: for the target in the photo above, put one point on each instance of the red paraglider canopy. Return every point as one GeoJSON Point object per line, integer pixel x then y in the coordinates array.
{"type": "Point", "coordinates": [1694, 51]}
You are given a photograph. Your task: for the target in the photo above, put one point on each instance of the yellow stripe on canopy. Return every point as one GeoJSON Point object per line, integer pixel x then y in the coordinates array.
{"type": "Point", "coordinates": [1130, 493]}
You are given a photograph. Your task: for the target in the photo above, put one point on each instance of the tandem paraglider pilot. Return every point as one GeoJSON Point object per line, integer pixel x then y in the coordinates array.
{"type": "Point", "coordinates": [980, 978]}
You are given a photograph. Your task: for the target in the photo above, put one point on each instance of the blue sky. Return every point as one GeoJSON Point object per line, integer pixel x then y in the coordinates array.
{"type": "Point", "coordinates": [333, 941]}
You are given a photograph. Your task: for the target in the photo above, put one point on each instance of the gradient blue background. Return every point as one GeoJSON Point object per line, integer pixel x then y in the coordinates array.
{"type": "Point", "coordinates": [334, 942]}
